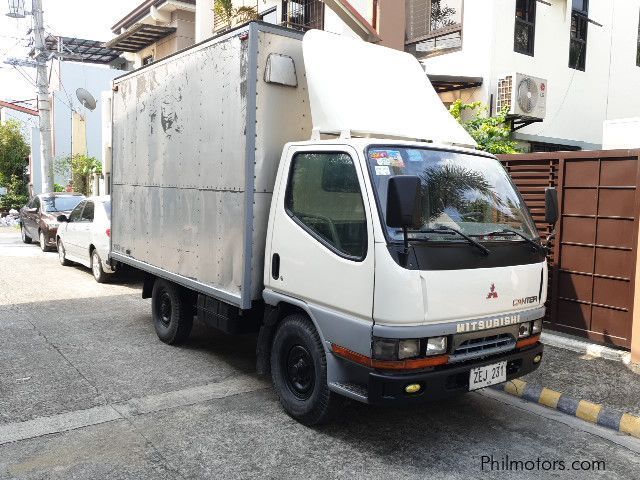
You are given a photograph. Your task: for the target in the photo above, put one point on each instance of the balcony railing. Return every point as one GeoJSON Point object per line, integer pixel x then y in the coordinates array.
{"type": "Point", "coordinates": [298, 14]}
{"type": "Point", "coordinates": [303, 14]}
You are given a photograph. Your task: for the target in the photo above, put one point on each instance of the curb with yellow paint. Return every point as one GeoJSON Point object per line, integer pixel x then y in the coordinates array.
{"type": "Point", "coordinates": [591, 412]}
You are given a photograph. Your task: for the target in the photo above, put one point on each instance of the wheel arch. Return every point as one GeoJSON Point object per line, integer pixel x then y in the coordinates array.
{"type": "Point", "coordinates": [274, 314]}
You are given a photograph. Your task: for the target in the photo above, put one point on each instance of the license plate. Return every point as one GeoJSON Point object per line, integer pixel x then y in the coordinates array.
{"type": "Point", "coordinates": [485, 376]}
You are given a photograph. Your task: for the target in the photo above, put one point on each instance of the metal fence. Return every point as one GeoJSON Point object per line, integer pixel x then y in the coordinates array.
{"type": "Point", "coordinates": [592, 267]}
{"type": "Point", "coordinates": [303, 14]}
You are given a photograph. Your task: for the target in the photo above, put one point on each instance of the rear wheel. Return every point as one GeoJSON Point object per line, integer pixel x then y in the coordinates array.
{"type": "Point", "coordinates": [299, 372]}
{"type": "Point", "coordinates": [62, 254]}
{"type": "Point", "coordinates": [171, 311]}
{"type": "Point", "coordinates": [23, 232]}
{"type": "Point", "coordinates": [96, 268]}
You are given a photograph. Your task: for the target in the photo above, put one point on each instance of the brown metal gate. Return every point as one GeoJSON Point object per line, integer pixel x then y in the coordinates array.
{"type": "Point", "coordinates": [594, 255]}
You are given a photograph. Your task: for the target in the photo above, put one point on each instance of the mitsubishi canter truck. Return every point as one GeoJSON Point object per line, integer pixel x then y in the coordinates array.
{"type": "Point", "coordinates": [314, 190]}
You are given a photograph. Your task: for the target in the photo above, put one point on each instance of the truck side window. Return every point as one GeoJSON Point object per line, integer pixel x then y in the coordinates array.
{"type": "Point", "coordinates": [324, 198]}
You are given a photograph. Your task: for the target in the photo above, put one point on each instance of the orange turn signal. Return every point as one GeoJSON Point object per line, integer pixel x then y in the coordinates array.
{"type": "Point", "coordinates": [528, 341]}
{"type": "Point", "coordinates": [411, 364]}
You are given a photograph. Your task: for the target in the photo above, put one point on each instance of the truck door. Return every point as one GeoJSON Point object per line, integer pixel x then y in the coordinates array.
{"type": "Point", "coordinates": [322, 238]}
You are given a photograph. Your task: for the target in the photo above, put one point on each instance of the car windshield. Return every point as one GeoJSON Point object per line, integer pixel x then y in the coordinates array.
{"type": "Point", "coordinates": [60, 204]}
{"type": "Point", "coordinates": [470, 193]}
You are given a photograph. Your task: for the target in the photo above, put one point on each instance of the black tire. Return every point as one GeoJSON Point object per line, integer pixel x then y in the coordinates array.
{"type": "Point", "coordinates": [43, 244]}
{"type": "Point", "coordinates": [23, 232]}
{"type": "Point", "coordinates": [171, 311]}
{"type": "Point", "coordinates": [299, 372]}
{"type": "Point", "coordinates": [62, 254]}
{"type": "Point", "coordinates": [96, 268]}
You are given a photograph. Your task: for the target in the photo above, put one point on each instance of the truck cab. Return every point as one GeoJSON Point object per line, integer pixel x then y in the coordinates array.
{"type": "Point", "coordinates": [449, 301]}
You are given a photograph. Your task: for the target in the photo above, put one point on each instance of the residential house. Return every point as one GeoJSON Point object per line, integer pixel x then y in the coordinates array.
{"type": "Point", "coordinates": [587, 51]}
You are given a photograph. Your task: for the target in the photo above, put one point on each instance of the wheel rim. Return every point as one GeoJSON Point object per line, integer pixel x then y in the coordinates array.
{"type": "Point", "coordinates": [299, 372]}
{"type": "Point", "coordinates": [95, 265]}
{"type": "Point", "coordinates": [165, 309]}
{"type": "Point", "coordinates": [61, 252]}
{"type": "Point", "coordinates": [24, 235]}
{"type": "Point", "coordinates": [42, 245]}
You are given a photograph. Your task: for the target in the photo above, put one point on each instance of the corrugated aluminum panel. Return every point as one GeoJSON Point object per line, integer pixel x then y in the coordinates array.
{"type": "Point", "coordinates": [189, 133]}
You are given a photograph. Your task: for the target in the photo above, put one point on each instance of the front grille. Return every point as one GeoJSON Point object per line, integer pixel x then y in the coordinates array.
{"type": "Point", "coordinates": [483, 346]}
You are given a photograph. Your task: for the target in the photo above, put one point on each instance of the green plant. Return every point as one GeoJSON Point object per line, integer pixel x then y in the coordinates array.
{"type": "Point", "coordinates": [17, 194]}
{"type": "Point", "coordinates": [492, 134]}
{"type": "Point", "coordinates": [227, 14]}
{"type": "Point", "coordinates": [58, 188]}
{"type": "Point", "coordinates": [80, 168]}
{"type": "Point", "coordinates": [14, 153]}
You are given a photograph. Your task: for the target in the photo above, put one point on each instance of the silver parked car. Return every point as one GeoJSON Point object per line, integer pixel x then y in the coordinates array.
{"type": "Point", "coordinates": [83, 236]}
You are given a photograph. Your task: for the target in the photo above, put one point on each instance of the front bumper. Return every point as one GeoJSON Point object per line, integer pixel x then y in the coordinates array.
{"type": "Point", "coordinates": [50, 235]}
{"type": "Point", "coordinates": [442, 382]}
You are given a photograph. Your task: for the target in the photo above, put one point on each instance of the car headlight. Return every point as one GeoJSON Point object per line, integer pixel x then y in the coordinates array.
{"type": "Point", "coordinates": [385, 348]}
{"type": "Point", "coordinates": [524, 330]}
{"type": "Point", "coordinates": [536, 326]}
{"type": "Point", "coordinates": [408, 348]}
{"type": "Point", "coordinates": [436, 346]}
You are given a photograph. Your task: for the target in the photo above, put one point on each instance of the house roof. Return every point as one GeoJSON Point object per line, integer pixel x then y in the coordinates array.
{"type": "Point", "coordinates": [81, 50]}
{"type": "Point", "coordinates": [138, 37]}
{"type": "Point", "coordinates": [140, 12]}
{"type": "Point", "coordinates": [19, 108]}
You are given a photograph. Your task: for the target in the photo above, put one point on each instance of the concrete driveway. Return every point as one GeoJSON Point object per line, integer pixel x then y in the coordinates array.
{"type": "Point", "coordinates": [88, 391]}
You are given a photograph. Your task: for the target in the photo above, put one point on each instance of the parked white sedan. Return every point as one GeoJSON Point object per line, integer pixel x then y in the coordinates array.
{"type": "Point", "coordinates": [83, 236]}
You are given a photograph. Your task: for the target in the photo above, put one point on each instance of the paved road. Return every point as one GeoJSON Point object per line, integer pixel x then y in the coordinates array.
{"type": "Point", "coordinates": [87, 391]}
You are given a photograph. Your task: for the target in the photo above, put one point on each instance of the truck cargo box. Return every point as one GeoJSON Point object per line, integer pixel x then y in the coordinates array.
{"type": "Point", "coordinates": [197, 139]}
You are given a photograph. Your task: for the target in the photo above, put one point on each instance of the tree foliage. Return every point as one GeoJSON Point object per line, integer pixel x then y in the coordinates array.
{"type": "Point", "coordinates": [14, 153]}
{"type": "Point", "coordinates": [491, 133]}
{"type": "Point", "coordinates": [79, 169]}
{"type": "Point", "coordinates": [230, 15]}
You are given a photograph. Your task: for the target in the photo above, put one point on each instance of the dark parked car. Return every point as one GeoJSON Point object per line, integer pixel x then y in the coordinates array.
{"type": "Point", "coordinates": [38, 218]}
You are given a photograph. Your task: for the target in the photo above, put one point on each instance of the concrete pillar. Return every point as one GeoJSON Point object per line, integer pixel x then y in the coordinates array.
{"type": "Point", "coordinates": [204, 19]}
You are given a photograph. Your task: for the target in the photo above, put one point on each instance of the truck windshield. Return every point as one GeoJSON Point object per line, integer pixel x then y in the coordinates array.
{"type": "Point", "coordinates": [469, 193]}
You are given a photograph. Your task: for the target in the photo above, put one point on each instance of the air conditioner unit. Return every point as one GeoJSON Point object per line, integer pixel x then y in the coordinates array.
{"type": "Point", "coordinates": [523, 95]}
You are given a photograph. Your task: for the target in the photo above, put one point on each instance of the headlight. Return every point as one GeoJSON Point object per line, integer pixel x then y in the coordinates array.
{"type": "Point", "coordinates": [408, 348]}
{"type": "Point", "coordinates": [385, 348]}
{"type": "Point", "coordinates": [436, 346]}
{"type": "Point", "coordinates": [524, 330]}
{"type": "Point", "coordinates": [536, 326]}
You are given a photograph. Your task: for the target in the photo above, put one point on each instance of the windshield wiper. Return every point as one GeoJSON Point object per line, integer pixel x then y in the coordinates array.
{"type": "Point", "coordinates": [442, 230]}
{"type": "Point", "coordinates": [508, 231]}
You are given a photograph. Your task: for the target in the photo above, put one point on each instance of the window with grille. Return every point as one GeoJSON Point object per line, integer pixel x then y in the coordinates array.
{"type": "Point", "coordinates": [303, 14]}
{"type": "Point", "coordinates": [579, 28]}
{"type": "Point", "coordinates": [433, 26]}
{"type": "Point", "coordinates": [525, 30]}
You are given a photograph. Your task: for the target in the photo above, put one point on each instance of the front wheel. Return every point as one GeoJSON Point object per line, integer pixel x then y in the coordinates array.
{"type": "Point", "coordinates": [43, 244]}
{"type": "Point", "coordinates": [23, 232]}
{"type": "Point", "coordinates": [62, 254]}
{"type": "Point", "coordinates": [172, 314]}
{"type": "Point", "coordinates": [299, 372]}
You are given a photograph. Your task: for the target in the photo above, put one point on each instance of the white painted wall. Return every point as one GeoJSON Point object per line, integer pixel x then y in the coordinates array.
{"type": "Point", "coordinates": [578, 102]}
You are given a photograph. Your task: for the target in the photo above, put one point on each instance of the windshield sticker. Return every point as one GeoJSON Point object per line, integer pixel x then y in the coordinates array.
{"type": "Point", "coordinates": [376, 154]}
{"type": "Point", "coordinates": [384, 161]}
{"type": "Point", "coordinates": [383, 170]}
{"type": "Point", "coordinates": [396, 158]}
{"type": "Point", "coordinates": [414, 155]}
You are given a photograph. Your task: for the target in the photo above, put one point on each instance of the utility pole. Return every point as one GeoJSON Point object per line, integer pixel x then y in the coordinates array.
{"type": "Point", "coordinates": [44, 102]}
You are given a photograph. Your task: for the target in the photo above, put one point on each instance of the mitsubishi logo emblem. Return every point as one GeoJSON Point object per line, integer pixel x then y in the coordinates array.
{"type": "Point", "coordinates": [492, 292]}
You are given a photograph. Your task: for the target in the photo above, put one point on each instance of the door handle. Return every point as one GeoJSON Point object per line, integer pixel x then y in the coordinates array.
{"type": "Point", "coordinates": [275, 266]}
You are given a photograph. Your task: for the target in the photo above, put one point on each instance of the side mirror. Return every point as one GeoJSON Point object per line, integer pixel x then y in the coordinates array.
{"type": "Point", "coordinates": [404, 202]}
{"type": "Point", "coordinates": [32, 210]}
{"type": "Point", "coordinates": [551, 205]}
{"type": "Point", "coordinates": [62, 219]}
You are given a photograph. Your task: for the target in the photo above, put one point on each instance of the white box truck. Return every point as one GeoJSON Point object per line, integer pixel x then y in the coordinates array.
{"type": "Point", "coordinates": [318, 193]}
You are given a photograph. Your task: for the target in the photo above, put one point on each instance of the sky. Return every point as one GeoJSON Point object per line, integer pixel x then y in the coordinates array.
{"type": "Point", "coordinates": [88, 19]}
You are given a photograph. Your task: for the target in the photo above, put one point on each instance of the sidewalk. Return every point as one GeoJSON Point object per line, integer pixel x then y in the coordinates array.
{"type": "Point", "coordinates": [596, 389]}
